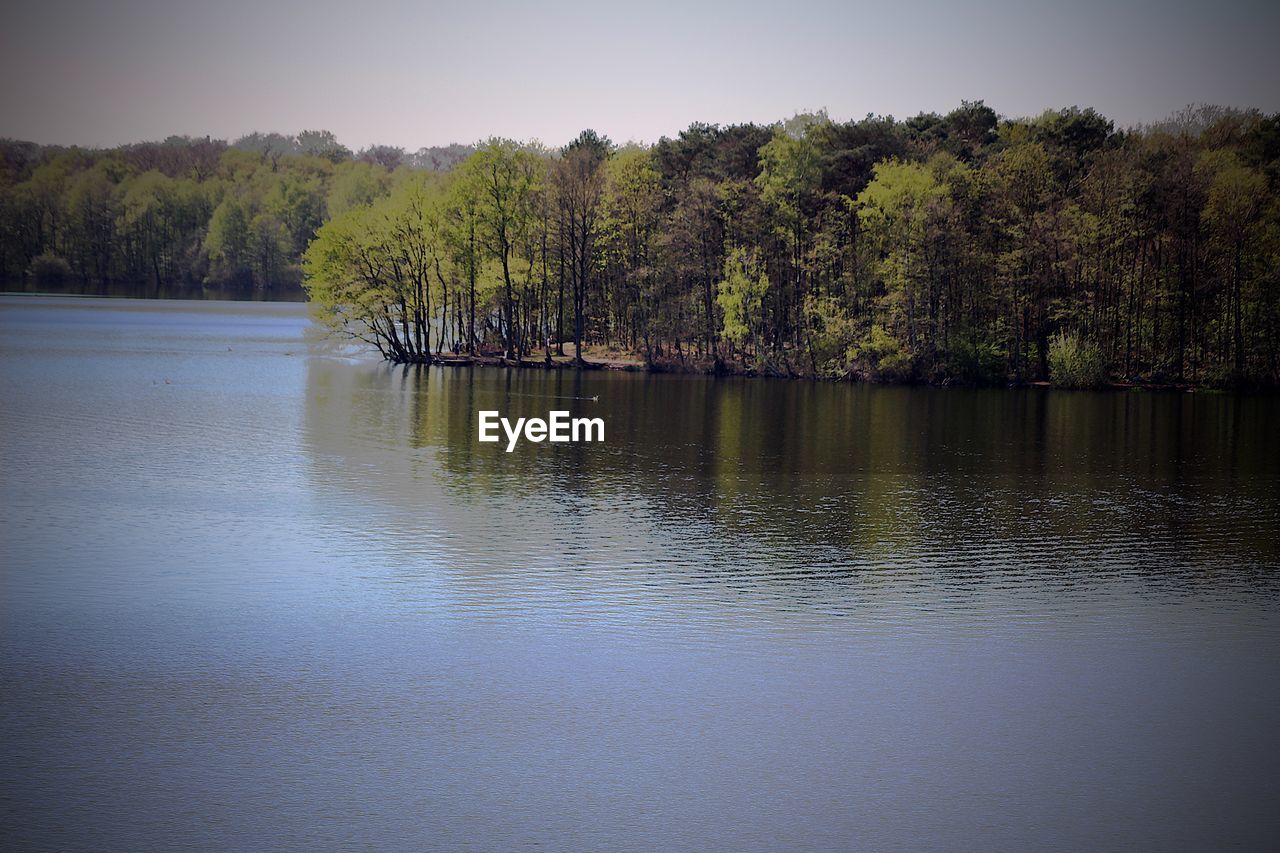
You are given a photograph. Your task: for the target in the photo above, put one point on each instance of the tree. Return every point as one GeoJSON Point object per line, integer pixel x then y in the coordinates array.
{"type": "Point", "coordinates": [388, 157]}
{"type": "Point", "coordinates": [370, 271]}
{"type": "Point", "coordinates": [789, 182]}
{"type": "Point", "coordinates": [1233, 216]}
{"type": "Point", "coordinates": [504, 178]}
{"type": "Point", "coordinates": [953, 246]}
{"type": "Point", "coordinates": [322, 143]}
{"type": "Point", "coordinates": [898, 210]}
{"type": "Point", "coordinates": [740, 296]}
{"type": "Point", "coordinates": [578, 187]}
{"type": "Point", "coordinates": [630, 223]}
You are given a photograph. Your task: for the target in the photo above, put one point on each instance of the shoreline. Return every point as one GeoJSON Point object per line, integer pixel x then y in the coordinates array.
{"type": "Point", "coordinates": [621, 362]}
{"type": "Point", "coordinates": [623, 365]}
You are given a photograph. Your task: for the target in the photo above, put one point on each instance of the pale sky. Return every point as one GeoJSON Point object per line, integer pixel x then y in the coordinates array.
{"type": "Point", "coordinates": [428, 73]}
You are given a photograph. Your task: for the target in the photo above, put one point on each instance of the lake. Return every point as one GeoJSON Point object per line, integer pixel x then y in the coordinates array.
{"type": "Point", "coordinates": [261, 592]}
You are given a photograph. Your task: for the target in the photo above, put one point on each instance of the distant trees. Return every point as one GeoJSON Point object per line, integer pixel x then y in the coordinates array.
{"type": "Point", "coordinates": [184, 212]}
{"type": "Point", "coordinates": [388, 157]}
{"type": "Point", "coordinates": [956, 247]}
{"type": "Point", "coordinates": [322, 143]}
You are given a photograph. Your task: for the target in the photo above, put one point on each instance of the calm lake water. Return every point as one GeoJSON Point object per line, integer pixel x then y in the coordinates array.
{"type": "Point", "coordinates": [258, 593]}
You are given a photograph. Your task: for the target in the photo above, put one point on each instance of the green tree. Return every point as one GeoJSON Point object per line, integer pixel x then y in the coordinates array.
{"type": "Point", "coordinates": [505, 177]}
{"type": "Point", "coordinates": [740, 296]}
{"type": "Point", "coordinates": [897, 211]}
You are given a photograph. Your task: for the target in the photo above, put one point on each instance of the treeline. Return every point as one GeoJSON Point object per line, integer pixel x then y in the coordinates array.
{"type": "Point", "coordinates": [958, 247]}
{"type": "Point", "coordinates": [943, 248]}
{"type": "Point", "coordinates": [185, 213]}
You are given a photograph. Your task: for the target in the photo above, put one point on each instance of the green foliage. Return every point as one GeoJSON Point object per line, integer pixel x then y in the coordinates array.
{"type": "Point", "coordinates": [629, 228]}
{"type": "Point", "coordinates": [49, 270]}
{"type": "Point", "coordinates": [898, 210]}
{"type": "Point", "coordinates": [832, 332]}
{"type": "Point", "coordinates": [790, 171]}
{"type": "Point", "coordinates": [880, 356]}
{"type": "Point", "coordinates": [739, 296]}
{"type": "Point", "coordinates": [322, 143]}
{"type": "Point", "coordinates": [356, 185]}
{"type": "Point", "coordinates": [229, 239]}
{"type": "Point", "coordinates": [373, 272]}
{"type": "Point", "coordinates": [1071, 136]}
{"type": "Point", "coordinates": [1075, 362]}
{"type": "Point", "coordinates": [503, 180]}
{"type": "Point", "coordinates": [949, 247]}
{"type": "Point", "coordinates": [972, 360]}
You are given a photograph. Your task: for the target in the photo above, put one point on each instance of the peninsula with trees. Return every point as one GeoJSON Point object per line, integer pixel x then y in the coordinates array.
{"type": "Point", "coordinates": [963, 247]}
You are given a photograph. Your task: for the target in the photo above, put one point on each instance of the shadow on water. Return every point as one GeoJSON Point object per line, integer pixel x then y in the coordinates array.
{"type": "Point", "coordinates": [817, 494]}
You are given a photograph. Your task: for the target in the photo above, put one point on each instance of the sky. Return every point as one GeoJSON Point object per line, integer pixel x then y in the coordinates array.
{"type": "Point", "coordinates": [108, 72]}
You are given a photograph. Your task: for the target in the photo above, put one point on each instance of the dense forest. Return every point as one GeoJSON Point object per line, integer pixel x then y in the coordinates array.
{"type": "Point", "coordinates": [960, 247]}
{"type": "Point", "coordinates": [186, 214]}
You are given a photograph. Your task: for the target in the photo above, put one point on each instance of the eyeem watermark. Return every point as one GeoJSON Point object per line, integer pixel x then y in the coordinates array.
{"type": "Point", "coordinates": [558, 428]}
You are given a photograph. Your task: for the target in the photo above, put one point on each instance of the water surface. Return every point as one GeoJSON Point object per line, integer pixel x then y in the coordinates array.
{"type": "Point", "coordinates": [258, 592]}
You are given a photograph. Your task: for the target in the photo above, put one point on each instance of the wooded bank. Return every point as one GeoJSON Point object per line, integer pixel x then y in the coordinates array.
{"type": "Point", "coordinates": [944, 248]}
